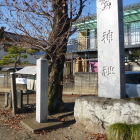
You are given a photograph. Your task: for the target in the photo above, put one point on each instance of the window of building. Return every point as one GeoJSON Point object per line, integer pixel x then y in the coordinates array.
{"type": "Point", "coordinates": [132, 33]}
{"type": "Point", "coordinates": [93, 38]}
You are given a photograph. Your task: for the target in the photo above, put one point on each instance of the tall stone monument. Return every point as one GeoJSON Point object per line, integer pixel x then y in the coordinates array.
{"type": "Point", "coordinates": [110, 49]}
{"type": "Point", "coordinates": [42, 90]}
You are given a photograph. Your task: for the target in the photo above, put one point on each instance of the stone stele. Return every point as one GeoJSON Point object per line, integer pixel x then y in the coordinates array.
{"type": "Point", "coordinates": [110, 49]}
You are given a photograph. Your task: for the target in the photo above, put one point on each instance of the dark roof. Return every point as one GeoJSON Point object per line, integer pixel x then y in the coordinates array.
{"type": "Point", "coordinates": [20, 40]}
{"type": "Point", "coordinates": [11, 69]}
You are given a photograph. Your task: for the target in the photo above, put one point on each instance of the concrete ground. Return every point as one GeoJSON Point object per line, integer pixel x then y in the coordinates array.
{"type": "Point", "coordinates": [11, 128]}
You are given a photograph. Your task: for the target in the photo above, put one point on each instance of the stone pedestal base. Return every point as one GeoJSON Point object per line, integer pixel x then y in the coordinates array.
{"type": "Point", "coordinates": [98, 113]}
{"type": "Point", "coordinates": [34, 126]}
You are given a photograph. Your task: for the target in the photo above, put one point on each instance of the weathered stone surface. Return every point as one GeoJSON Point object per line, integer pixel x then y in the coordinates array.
{"type": "Point", "coordinates": [97, 113]}
{"type": "Point", "coordinates": [110, 49]}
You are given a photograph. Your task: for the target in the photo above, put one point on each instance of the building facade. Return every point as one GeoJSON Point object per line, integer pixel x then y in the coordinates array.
{"type": "Point", "coordinates": [86, 56]}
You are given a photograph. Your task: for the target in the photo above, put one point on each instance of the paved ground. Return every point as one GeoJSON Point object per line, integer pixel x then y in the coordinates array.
{"type": "Point", "coordinates": [11, 129]}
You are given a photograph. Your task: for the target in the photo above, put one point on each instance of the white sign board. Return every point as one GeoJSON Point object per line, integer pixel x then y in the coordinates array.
{"type": "Point", "coordinates": [21, 80]}
{"type": "Point", "coordinates": [2, 75]}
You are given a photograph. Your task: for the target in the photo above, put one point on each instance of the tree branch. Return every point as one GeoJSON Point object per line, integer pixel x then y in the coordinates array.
{"type": "Point", "coordinates": [32, 10]}
{"type": "Point", "coordinates": [80, 10]}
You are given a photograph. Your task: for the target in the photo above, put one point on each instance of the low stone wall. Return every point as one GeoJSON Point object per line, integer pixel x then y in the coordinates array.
{"type": "Point", "coordinates": [84, 83]}
{"type": "Point", "coordinates": [68, 88]}
{"type": "Point", "coordinates": [97, 113]}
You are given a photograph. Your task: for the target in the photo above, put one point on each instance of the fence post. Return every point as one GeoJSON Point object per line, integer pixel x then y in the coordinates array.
{"type": "Point", "coordinates": [6, 99]}
{"type": "Point", "coordinates": [19, 98]}
{"type": "Point", "coordinates": [14, 95]}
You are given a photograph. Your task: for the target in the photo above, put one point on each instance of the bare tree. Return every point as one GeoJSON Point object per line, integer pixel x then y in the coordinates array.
{"type": "Point", "coordinates": [47, 25]}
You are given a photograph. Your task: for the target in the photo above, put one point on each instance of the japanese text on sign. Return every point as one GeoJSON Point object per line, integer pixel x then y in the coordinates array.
{"type": "Point", "coordinates": [106, 4]}
{"type": "Point", "coordinates": [107, 36]}
{"type": "Point", "coordinates": [108, 70]}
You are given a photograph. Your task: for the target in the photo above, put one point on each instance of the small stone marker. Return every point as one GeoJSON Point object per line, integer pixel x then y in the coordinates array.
{"type": "Point", "coordinates": [110, 49]}
{"type": "Point", "coordinates": [42, 120]}
{"type": "Point", "coordinates": [42, 90]}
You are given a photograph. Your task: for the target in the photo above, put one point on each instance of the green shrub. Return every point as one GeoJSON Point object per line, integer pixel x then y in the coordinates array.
{"type": "Point", "coordinates": [135, 132]}
{"type": "Point", "coordinates": [120, 131]}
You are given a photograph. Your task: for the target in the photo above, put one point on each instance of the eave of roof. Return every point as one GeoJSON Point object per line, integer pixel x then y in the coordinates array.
{"type": "Point", "coordinates": [30, 70]}
{"type": "Point", "coordinates": [131, 13]}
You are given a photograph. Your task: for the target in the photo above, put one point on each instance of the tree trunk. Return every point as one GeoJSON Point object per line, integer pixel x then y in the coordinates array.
{"type": "Point", "coordinates": [55, 90]}
{"type": "Point", "coordinates": [58, 39]}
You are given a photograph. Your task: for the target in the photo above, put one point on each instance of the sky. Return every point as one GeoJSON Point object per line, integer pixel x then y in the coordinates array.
{"type": "Point", "coordinates": [92, 7]}
{"type": "Point", "coordinates": [127, 2]}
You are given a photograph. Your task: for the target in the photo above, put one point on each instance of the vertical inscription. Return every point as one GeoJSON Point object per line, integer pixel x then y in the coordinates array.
{"type": "Point", "coordinates": [108, 70]}
{"type": "Point", "coordinates": [106, 4]}
{"type": "Point", "coordinates": [107, 36]}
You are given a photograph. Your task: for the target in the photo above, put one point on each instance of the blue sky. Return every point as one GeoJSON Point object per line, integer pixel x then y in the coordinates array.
{"type": "Point", "coordinates": [127, 2]}
{"type": "Point", "coordinates": [92, 7]}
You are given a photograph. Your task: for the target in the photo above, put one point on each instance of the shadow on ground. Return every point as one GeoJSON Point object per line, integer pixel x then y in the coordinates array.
{"type": "Point", "coordinates": [66, 115]}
